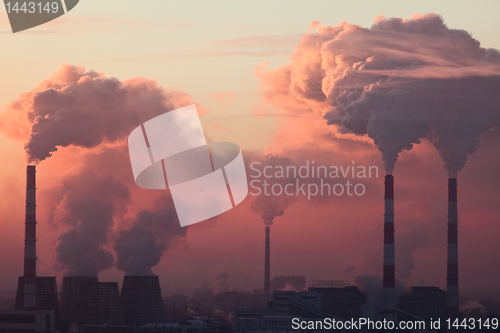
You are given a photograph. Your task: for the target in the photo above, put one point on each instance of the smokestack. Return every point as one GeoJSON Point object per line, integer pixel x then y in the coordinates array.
{"type": "Point", "coordinates": [389, 279]}
{"type": "Point", "coordinates": [452, 269]}
{"type": "Point", "coordinates": [30, 241]}
{"type": "Point", "coordinates": [267, 269]}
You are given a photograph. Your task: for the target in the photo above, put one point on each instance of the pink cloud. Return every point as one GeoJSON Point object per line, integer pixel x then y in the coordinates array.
{"type": "Point", "coordinates": [223, 98]}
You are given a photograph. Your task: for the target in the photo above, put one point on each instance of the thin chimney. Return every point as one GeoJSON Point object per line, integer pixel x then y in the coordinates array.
{"type": "Point", "coordinates": [267, 269]}
{"type": "Point", "coordinates": [30, 241]}
{"type": "Point", "coordinates": [452, 269]}
{"type": "Point", "coordinates": [389, 279]}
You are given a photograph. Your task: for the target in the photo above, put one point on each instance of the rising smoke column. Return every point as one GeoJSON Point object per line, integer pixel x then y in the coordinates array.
{"type": "Point", "coordinates": [88, 110]}
{"type": "Point", "coordinates": [140, 247]}
{"type": "Point", "coordinates": [80, 249]}
{"type": "Point", "coordinates": [398, 82]}
{"type": "Point", "coordinates": [269, 207]}
{"type": "Point", "coordinates": [86, 203]}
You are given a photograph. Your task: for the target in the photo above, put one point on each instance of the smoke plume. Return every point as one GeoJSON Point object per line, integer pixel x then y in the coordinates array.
{"type": "Point", "coordinates": [85, 206]}
{"type": "Point", "coordinates": [85, 109]}
{"type": "Point", "coordinates": [140, 247]}
{"type": "Point", "coordinates": [270, 206]}
{"type": "Point", "coordinates": [95, 114]}
{"type": "Point", "coordinates": [80, 249]}
{"type": "Point", "coordinates": [398, 82]}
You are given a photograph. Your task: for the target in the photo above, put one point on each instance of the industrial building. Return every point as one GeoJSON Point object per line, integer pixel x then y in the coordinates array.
{"type": "Point", "coordinates": [291, 282]}
{"type": "Point", "coordinates": [36, 305]}
{"type": "Point", "coordinates": [344, 302]}
{"type": "Point", "coordinates": [231, 299]}
{"type": "Point", "coordinates": [99, 304]}
{"type": "Point", "coordinates": [141, 300]}
{"type": "Point", "coordinates": [278, 316]}
{"type": "Point", "coordinates": [92, 306]}
{"type": "Point", "coordinates": [85, 304]}
{"type": "Point", "coordinates": [302, 303]}
{"type": "Point", "coordinates": [70, 297]}
{"type": "Point", "coordinates": [46, 297]}
{"type": "Point", "coordinates": [185, 326]}
{"type": "Point", "coordinates": [176, 307]}
{"type": "Point", "coordinates": [27, 321]}
{"type": "Point", "coordinates": [424, 302]}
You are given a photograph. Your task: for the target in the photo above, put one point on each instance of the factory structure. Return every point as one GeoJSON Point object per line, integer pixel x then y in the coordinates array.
{"type": "Point", "coordinates": [327, 298]}
{"type": "Point", "coordinates": [420, 302]}
{"type": "Point", "coordinates": [85, 304]}
{"type": "Point", "coordinates": [36, 306]}
{"type": "Point", "coordinates": [338, 299]}
{"type": "Point", "coordinates": [389, 271]}
{"type": "Point", "coordinates": [452, 269]}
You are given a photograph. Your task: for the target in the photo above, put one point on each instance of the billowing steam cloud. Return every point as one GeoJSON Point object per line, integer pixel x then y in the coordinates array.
{"type": "Point", "coordinates": [140, 247]}
{"type": "Point", "coordinates": [84, 207]}
{"type": "Point", "coordinates": [86, 109]}
{"type": "Point", "coordinates": [80, 249]}
{"type": "Point", "coordinates": [400, 81]}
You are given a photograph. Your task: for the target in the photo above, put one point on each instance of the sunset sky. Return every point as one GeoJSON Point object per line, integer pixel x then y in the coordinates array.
{"type": "Point", "coordinates": [231, 59]}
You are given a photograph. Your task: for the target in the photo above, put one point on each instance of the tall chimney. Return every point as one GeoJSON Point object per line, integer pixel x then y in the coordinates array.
{"type": "Point", "coordinates": [452, 269]}
{"type": "Point", "coordinates": [267, 269]}
{"type": "Point", "coordinates": [30, 241]}
{"type": "Point", "coordinates": [389, 279]}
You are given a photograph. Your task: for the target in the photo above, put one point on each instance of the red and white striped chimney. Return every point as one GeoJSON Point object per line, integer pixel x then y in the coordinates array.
{"type": "Point", "coordinates": [267, 268]}
{"type": "Point", "coordinates": [452, 269]}
{"type": "Point", "coordinates": [30, 241]}
{"type": "Point", "coordinates": [389, 279]}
